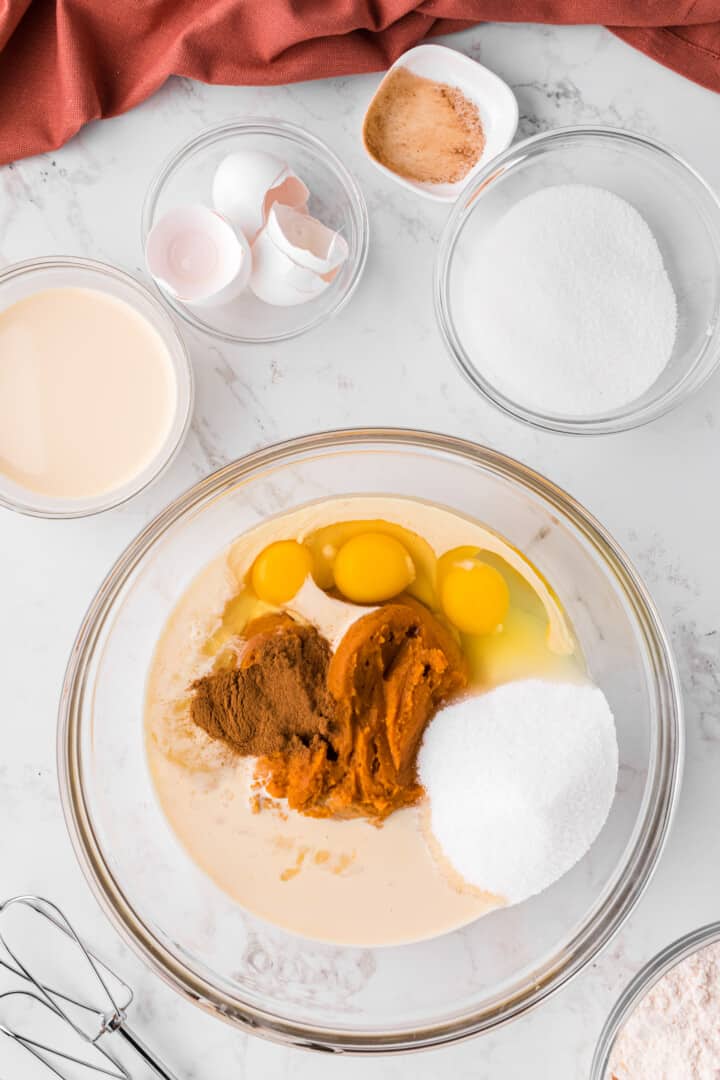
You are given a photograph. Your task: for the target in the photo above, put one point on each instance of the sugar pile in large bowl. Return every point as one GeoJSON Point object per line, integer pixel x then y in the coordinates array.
{"type": "Point", "coordinates": [520, 782]}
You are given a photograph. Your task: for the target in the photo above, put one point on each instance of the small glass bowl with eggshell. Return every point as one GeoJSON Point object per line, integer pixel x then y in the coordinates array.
{"type": "Point", "coordinates": [654, 186]}
{"type": "Point", "coordinates": [495, 102]}
{"type": "Point", "coordinates": [255, 231]}
{"type": "Point", "coordinates": [96, 387]}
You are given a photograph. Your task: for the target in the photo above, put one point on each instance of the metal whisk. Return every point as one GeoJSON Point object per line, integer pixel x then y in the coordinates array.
{"type": "Point", "coordinates": [88, 1021]}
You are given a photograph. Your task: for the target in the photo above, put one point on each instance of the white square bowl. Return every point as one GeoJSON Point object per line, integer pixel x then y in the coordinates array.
{"type": "Point", "coordinates": [494, 99]}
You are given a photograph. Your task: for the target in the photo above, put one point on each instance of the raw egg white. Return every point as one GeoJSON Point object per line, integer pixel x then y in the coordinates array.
{"type": "Point", "coordinates": [248, 183]}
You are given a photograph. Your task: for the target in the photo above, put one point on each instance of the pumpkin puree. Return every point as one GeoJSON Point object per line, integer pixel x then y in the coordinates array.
{"type": "Point", "coordinates": [336, 734]}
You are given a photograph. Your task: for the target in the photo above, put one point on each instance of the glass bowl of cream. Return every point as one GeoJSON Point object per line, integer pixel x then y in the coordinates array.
{"type": "Point", "coordinates": [188, 178]}
{"type": "Point", "coordinates": [577, 281]}
{"type": "Point", "coordinates": [667, 1015]}
{"type": "Point", "coordinates": [96, 387]}
{"type": "Point", "coordinates": [244, 967]}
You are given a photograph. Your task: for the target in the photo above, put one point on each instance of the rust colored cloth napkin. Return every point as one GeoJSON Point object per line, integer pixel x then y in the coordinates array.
{"type": "Point", "coordinates": [65, 62]}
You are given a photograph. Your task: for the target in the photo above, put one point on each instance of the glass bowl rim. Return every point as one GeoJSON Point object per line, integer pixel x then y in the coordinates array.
{"type": "Point", "coordinates": [180, 359]}
{"type": "Point", "coordinates": [260, 125]}
{"type": "Point", "coordinates": [646, 843]}
{"type": "Point", "coordinates": [631, 416]}
{"type": "Point", "coordinates": [636, 989]}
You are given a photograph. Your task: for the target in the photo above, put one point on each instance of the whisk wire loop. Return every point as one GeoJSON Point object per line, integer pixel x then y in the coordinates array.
{"type": "Point", "coordinates": [53, 1057]}
{"type": "Point", "coordinates": [112, 1014]}
{"type": "Point", "coordinates": [108, 1017]}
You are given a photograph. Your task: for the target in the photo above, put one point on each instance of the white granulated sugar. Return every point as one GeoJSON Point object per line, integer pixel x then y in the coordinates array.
{"type": "Point", "coordinates": [569, 304]}
{"type": "Point", "coordinates": [520, 782]}
{"type": "Point", "coordinates": [674, 1032]}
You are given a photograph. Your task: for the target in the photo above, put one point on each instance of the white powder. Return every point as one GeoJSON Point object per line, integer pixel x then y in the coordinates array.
{"type": "Point", "coordinates": [674, 1033]}
{"type": "Point", "coordinates": [520, 782]}
{"type": "Point", "coordinates": [569, 304]}
{"type": "Point", "coordinates": [333, 618]}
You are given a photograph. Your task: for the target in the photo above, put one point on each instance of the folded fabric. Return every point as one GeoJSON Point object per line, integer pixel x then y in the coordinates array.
{"type": "Point", "coordinates": [65, 62]}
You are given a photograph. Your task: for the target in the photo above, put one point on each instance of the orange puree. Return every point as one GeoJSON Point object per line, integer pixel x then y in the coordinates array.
{"type": "Point", "coordinates": [355, 756]}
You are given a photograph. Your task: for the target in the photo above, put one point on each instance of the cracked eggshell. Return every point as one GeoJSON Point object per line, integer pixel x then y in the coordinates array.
{"type": "Point", "coordinates": [295, 257]}
{"type": "Point", "coordinates": [246, 185]}
{"type": "Point", "coordinates": [196, 256]}
{"type": "Point", "coordinates": [307, 241]}
{"type": "Point", "coordinates": [277, 280]}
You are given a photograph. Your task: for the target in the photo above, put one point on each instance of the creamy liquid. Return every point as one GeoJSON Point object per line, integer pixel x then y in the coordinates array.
{"type": "Point", "coordinates": [87, 392]}
{"type": "Point", "coordinates": [348, 882]}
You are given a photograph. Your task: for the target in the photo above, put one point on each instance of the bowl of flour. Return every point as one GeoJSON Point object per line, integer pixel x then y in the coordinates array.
{"type": "Point", "coordinates": [666, 1022]}
{"type": "Point", "coordinates": [577, 283]}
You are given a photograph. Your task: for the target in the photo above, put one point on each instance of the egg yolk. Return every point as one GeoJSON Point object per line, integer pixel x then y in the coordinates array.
{"type": "Point", "coordinates": [474, 596]}
{"type": "Point", "coordinates": [372, 567]}
{"type": "Point", "coordinates": [280, 570]}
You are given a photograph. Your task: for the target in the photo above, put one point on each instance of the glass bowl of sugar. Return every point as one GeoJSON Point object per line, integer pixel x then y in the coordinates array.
{"type": "Point", "coordinates": [667, 1016]}
{"type": "Point", "coordinates": [577, 283]}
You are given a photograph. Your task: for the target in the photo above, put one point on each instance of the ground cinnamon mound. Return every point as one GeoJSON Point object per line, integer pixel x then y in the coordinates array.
{"type": "Point", "coordinates": [336, 735]}
{"type": "Point", "coordinates": [423, 130]}
{"type": "Point", "coordinates": [277, 695]}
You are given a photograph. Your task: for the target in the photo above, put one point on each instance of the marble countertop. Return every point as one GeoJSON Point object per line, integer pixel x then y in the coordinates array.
{"type": "Point", "coordinates": [381, 362]}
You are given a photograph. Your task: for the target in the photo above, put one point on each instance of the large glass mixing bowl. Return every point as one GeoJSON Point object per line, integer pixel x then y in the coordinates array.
{"type": "Point", "coordinates": [323, 996]}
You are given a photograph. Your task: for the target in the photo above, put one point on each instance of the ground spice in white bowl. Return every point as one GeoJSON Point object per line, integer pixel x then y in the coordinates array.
{"type": "Point", "coordinates": [423, 130]}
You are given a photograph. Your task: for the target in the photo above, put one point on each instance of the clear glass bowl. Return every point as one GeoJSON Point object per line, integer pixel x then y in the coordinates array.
{"type": "Point", "coordinates": [335, 198]}
{"type": "Point", "coordinates": [680, 208]}
{"type": "Point", "coordinates": [638, 987]}
{"type": "Point", "coordinates": [21, 280]}
{"type": "Point", "coordinates": [285, 987]}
